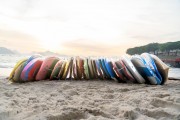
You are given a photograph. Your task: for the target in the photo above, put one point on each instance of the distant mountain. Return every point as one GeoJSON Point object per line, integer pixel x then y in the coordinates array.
{"type": "Point", "coordinates": [4, 50]}
{"type": "Point", "coordinates": [49, 53]}
{"type": "Point", "coordinates": [16, 52]}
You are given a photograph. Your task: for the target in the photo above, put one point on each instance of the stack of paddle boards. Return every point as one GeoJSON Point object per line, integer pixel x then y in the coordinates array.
{"type": "Point", "coordinates": [143, 69]}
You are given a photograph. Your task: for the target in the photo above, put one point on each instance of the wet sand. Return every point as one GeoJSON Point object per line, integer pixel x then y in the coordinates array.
{"type": "Point", "coordinates": [88, 100]}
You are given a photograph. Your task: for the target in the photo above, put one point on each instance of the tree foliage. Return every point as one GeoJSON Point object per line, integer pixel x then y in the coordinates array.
{"type": "Point", "coordinates": [153, 47]}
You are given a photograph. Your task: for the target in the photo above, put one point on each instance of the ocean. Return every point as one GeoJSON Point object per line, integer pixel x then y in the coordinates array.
{"type": "Point", "coordinates": [7, 62]}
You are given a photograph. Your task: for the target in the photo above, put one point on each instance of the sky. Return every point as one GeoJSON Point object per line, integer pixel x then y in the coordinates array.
{"type": "Point", "coordinates": [87, 27]}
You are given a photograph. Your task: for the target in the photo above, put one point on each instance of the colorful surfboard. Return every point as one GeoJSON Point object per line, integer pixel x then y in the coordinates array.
{"type": "Point", "coordinates": [126, 72]}
{"type": "Point", "coordinates": [46, 68]}
{"type": "Point", "coordinates": [132, 69]}
{"type": "Point", "coordinates": [15, 67]}
{"type": "Point", "coordinates": [144, 69]}
{"type": "Point", "coordinates": [110, 70]}
{"type": "Point", "coordinates": [55, 72]}
{"type": "Point", "coordinates": [118, 71]}
{"type": "Point", "coordinates": [99, 71]}
{"type": "Point", "coordinates": [91, 73]}
{"type": "Point", "coordinates": [75, 70]}
{"type": "Point", "coordinates": [152, 65]}
{"type": "Point", "coordinates": [86, 69]}
{"type": "Point", "coordinates": [30, 70]}
{"type": "Point", "coordinates": [66, 69]}
{"type": "Point", "coordinates": [17, 74]}
{"type": "Point", "coordinates": [94, 69]}
{"type": "Point", "coordinates": [105, 69]}
{"type": "Point", "coordinates": [102, 68]}
{"type": "Point", "coordinates": [162, 68]}
{"type": "Point", "coordinates": [80, 67]}
{"type": "Point", "coordinates": [69, 73]}
{"type": "Point", "coordinates": [62, 70]}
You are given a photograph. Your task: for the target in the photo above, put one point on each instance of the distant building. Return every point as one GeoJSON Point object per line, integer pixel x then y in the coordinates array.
{"type": "Point", "coordinates": [167, 53]}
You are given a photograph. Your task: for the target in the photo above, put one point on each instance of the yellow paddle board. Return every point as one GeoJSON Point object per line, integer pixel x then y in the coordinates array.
{"type": "Point", "coordinates": [15, 67]}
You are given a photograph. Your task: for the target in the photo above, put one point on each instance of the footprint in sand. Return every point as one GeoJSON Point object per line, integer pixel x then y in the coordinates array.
{"type": "Point", "coordinates": [177, 99]}
{"type": "Point", "coordinates": [108, 96]}
{"type": "Point", "coordinates": [68, 115]}
{"type": "Point", "coordinates": [150, 114]}
{"type": "Point", "coordinates": [165, 104]}
{"type": "Point", "coordinates": [8, 115]}
{"type": "Point", "coordinates": [162, 95]}
{"type": "Point", "coordinates": [160, 114]}
{"type": "Point", "coordinates": [66, 86]}
{"type": "Point", "coordinates": [72, 92]}
{"type": "Point", "coordinates": [8, 94]}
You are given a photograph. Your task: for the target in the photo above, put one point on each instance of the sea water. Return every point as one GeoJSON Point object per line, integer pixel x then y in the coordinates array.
{"type": "Point", "coordinates": [7, 62]}
{"type": "Point", "coordinates": [174, 73]}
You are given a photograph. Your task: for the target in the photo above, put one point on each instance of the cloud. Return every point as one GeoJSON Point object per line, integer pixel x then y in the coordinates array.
{"type": "Point", "coordinates": [87, 47]}
{"type": "Point", "coordinates": [160, 38]}
{"type": "Point", "coordinates": [90, 27]}
{"type": "Point", "coordinates": [19, 41]}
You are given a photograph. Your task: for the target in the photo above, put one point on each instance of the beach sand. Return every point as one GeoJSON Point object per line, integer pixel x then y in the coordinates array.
{"type": "Point", "coordinates": [91, 100]}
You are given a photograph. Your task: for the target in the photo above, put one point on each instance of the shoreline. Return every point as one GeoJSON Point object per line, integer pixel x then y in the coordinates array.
{"type": "Point", "coordinates": [88, 100]}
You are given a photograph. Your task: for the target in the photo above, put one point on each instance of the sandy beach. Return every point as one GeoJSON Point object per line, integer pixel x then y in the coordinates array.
{"type": "Point", "coordinates": [88, 100]}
